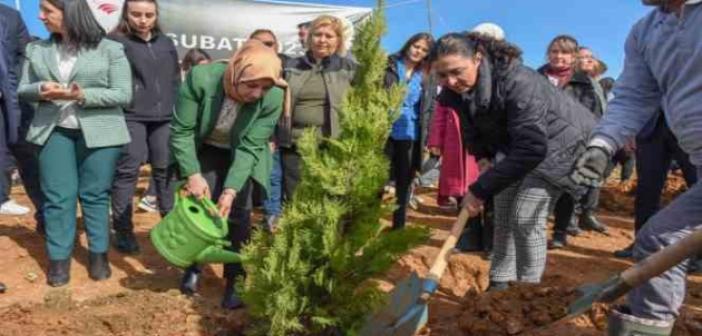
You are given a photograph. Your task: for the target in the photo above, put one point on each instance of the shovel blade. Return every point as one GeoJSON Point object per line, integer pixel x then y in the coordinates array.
{"type": "Point", "coordinates": [588, 295]}
{"type": "Point", "coordinates": [401, 313]}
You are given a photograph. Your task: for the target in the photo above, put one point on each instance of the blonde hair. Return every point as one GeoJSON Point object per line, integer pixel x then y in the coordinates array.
{"type": "Point", "coordinates": [336, 24]}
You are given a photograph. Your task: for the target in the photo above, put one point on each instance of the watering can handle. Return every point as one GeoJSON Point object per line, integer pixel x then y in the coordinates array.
{"type": "Point", "coordinates": [441, 261]}
{"type": "Point", "coordinates": [205, 201]}
{"type": "Point", "coordinates": [663, 260]}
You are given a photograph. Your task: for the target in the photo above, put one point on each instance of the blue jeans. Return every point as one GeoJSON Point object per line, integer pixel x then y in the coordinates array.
{"type": "Point", "coordinates": [661, 297]}
{"type": "Point", "coordinates": [273, 203]}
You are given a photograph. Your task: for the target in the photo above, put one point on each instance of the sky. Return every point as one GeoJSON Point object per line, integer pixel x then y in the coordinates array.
{"type": "Point", "coordinates": [601, 25]}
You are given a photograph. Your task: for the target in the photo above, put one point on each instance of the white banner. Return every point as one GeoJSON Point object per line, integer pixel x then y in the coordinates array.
{"type": "Point", "coordinates": [221, 26]}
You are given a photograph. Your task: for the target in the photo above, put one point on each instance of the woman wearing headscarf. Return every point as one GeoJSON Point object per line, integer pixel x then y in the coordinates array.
{"type": "Point", "coordinates": [225, 116]}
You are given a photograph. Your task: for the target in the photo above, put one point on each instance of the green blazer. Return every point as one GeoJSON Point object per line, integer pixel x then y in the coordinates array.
{"type": "Point", "coordinates": [197, 109]}
{"type": "Point", "coordinates": [106, 79]}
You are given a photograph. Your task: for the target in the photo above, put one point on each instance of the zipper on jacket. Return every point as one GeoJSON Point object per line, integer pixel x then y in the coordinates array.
{"type": "Point", "coordinates": [157, 83]}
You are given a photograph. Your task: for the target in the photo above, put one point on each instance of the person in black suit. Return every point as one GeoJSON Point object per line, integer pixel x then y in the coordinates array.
{"type": "Point", "coordinates": [16, 114]}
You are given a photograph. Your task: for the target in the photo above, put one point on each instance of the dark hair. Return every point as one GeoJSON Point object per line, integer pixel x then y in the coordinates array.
{"type": "Point", "coordinates": [123, 25]}
{"type": "Point", "coordinates": [412, 40]}
{"type": "Point", "coordinates": [500, 52]}
{"type": "Point", "coordinates": [82, 29]}
{"type": "Point", "coordinates": [607, 84]}
{"type": "Point", "coordinates": [193, 57]}
{"type": "Point", "coordinates": [565, 42]}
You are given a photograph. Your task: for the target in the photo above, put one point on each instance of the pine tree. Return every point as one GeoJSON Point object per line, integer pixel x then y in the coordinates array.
{"type": "Point", "coordinates": [314, 276]}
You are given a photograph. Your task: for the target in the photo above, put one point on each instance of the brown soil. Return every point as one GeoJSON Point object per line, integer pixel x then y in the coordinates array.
{"type": "Point", "coordinates": [141, 298]}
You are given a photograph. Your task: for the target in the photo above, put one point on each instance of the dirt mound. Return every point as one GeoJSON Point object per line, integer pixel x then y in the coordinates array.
{"type": "Point", "coordinates": [619, 198]}
{"type": "Point", "coordinates": [523, 307]}
{"type": "Point", "coordinates": [129, 313]}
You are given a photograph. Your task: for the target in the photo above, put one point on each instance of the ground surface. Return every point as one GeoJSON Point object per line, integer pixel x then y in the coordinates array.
{"type": "Point", "coordinates": [142, 298]}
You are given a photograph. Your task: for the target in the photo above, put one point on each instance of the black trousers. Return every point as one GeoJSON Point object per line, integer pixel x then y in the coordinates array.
{"type": "Point", "coordinates": [26, 160]}
{"type": "Point", "coordinates": [653, 159]}
{"type": "Point", "coordinates": [214, 166]}
{"type": "Point", "coordinates": [291, 164]}
{"type": "Point", "coordinates": [627, 161]}
{"type": "Point", "coordinates": [149, 140]}
{"type": "Point", "coordinates": [404, 157]}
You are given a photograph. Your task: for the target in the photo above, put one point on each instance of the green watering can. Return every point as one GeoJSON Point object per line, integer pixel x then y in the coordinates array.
{"type": "Point", "coordinates": [193, 233]}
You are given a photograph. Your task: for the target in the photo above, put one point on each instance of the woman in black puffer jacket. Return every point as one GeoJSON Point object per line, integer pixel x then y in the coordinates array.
{"type": "Point", "coordinates": [533, 131]}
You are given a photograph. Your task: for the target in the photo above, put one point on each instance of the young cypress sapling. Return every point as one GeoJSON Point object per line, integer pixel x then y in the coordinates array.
{"type": "Point", "coordinates": [314, 276]}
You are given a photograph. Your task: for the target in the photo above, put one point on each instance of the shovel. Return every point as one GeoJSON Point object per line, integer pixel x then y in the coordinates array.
{"type": "Point", "coordinates": [407, 310]}
{"type": "Point", "coordinates": [620, 284]}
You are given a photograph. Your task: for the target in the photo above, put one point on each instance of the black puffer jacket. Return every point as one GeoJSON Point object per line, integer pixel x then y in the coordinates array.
{"type": "Point", "coordinates": [582, 88]}
{"type": "Point", "coordinates": [516, 111]}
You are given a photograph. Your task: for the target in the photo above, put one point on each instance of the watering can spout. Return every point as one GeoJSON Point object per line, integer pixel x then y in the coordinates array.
{"type": "Point", "coordinates": [217, 254]}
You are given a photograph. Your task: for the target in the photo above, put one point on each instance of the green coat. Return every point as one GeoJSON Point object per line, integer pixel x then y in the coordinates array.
{"type": "Point", "coordinates": [103, 74]}
{"type": "Point", "coordinates": [197, 109]}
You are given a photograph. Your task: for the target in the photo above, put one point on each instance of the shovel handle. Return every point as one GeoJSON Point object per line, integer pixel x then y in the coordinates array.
{"type": "Point", "coordinates": [437, 270]}
{"type": "Point", "coordinates": [663, 260]}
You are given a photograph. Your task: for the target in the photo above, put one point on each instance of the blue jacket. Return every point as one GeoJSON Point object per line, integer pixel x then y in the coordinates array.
{"type": "Point", "coordinates": [407, 124]}
{"type": "Point", "coordinates": [13, 39]}
{"type": "Point", "coordinates": [661, 70]}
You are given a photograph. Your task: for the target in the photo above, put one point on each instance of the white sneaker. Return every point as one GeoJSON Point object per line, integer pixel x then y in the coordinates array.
{"type": "Point", "coordinates": [11, 208]}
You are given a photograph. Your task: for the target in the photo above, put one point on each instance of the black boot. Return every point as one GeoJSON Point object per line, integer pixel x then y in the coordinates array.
{"type": "Point", "coordinates": [573, 228]}
{"type": "Point", "coordinates": [588, 221]}
{"type": "Point", "coordinates": [620, 323]}
{"type": "Point", "coordinates": [99, 266]}
{"type": "Point", "coordinates": [2, 288]}
{"type": "Point", "coordinates": [497, 286]}
{"type": "Point", "coordinates": [230, 299]}
{"type": "Point", "coordinates": [625, 253]}
{"type": "Point", "coordinates": [559, 241]}
{"type": "Point", "coordinates": [126, 243]}
{"type": "Point", "coordinates": [59, 272]}
{"type": "Point", "coordinates": [188, 284]}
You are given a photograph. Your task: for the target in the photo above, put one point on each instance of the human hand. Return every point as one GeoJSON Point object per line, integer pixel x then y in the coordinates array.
{"type": "Point", "coordinates": [226, 199]}
{"type": "Point", "coordinates": [75, 92]}
{"type": "Point", "coordinates": [484, 165]}
{"type": "Point", "coordinates": [52, 91]}
{"type": "Point", "coordinates": [435, 151]}
{"type": "Point", "coordinates": [472, 204]}
{"type": "Point", "coordinates": [197, 186]}
{"type": "Point", "coordinates": [590, 167]}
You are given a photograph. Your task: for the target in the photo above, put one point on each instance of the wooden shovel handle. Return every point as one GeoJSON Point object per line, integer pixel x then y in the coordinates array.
{"type": "Point", "coordinates": [663, 260]}
{"type": "Point", "coordinates": [437, 270]}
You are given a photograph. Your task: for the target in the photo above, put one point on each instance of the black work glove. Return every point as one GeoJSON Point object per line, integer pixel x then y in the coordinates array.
{"type": "Point", "coordinates": [590, 167]}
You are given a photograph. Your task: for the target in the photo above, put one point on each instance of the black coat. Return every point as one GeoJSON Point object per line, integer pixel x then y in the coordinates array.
{"type": "Point", "coordinates": [516, 111]}
{"type": "Point", "coordinates": [581, 88]}
{"type": "Point", "coordinates": [13, 40]}
{"type": "Point", "coordinates": [155, 76]}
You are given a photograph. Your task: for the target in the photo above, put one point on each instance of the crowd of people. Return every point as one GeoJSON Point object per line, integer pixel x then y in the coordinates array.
{"type": "Point", "coordinates": [84, 109]}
